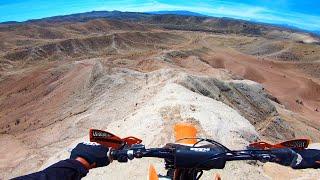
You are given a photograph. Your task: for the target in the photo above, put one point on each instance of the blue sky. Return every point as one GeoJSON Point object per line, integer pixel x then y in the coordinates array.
{"type": "Point", "coordinates": [304, 14]}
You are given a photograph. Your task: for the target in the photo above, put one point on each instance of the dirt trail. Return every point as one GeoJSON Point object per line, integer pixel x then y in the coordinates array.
{"type": "Point", "coordinates": [275, 54]}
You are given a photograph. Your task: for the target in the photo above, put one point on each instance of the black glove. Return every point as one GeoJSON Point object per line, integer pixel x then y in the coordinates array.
{"type": "Point", "coordinates": [94, 153]}
{"type": "Point", "coordinates": [306, 158]}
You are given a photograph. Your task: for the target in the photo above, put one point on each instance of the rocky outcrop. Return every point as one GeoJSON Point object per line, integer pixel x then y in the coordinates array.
{"type": "Point", "coordinates": [248, 98]}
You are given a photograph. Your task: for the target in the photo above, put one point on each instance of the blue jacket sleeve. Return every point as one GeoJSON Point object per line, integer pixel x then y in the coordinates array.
{"type": "Point", "coordinates": [64, 170]}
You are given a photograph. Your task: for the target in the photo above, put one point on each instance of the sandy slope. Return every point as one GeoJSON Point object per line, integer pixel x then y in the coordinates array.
{"type": "Point", "coordinates": [153, 123]}
{"type": "Point", "coordinates": [129, 102]}
{"type": "Point", "coordinates": [141, 83]}
{"type": "Point", "coordinates": [281, 79]}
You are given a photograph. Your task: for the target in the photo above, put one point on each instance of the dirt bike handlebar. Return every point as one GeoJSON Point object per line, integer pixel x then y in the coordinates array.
{"type": "Point", "coordinates": [292, 153]}
{"type": "Point", "coordinates": [205, 158]}
{"type": "Point", "coordinates": [129, 154]}
{"type": "Point", "coordinates": [189, 161]}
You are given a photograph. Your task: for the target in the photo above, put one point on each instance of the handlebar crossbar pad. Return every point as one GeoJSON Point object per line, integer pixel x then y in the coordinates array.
{"type": "Point", "coordinates": [199, 158]}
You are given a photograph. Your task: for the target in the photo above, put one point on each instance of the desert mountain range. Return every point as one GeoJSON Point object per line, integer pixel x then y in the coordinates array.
{"type": "Point", "coordinates": [139, 74]}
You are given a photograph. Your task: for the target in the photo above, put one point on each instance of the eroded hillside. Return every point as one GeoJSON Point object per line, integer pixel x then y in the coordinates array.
{"type": "Point", "coordinates": [140, 76]}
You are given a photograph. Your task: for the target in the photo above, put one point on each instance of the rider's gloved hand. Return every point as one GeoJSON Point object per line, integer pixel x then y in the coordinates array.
{"type": "Point", "coordinates": [91, 155]}
{"type": "Point", "coordinates": [306, 158]}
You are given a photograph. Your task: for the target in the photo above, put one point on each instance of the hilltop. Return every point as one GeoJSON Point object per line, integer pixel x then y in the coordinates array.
{"type": "Point", "coordinates": [138, 74]}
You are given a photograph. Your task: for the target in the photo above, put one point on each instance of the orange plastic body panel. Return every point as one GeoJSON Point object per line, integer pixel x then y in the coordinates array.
{"type": "Point", "coordinates": [296, 143]}
{"type": "Point", "coordinates": [110, 140]}
{"type": "Point", "coordinates": [153, 173]}
{"type": "Point", "coordinates": [185, 133]}
{"type": "Point", "coordinates": [216, 176]}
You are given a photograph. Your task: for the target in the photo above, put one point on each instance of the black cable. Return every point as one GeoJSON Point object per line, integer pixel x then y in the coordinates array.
{"type": "Point", "coordinates": [218, 144]}
{"type": "Point", "coordinates": [207, 140]}
{"type": "Point", "coordinates": [243, 152]}
{"type": "Point", "coordinates": [194, 145]}
{"type": "Point", "coordinates": [187, 138]}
